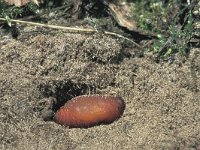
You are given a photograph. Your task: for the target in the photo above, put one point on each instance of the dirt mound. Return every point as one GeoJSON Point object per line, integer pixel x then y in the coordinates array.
{"type": "Point", "coordinates": [40, 72]}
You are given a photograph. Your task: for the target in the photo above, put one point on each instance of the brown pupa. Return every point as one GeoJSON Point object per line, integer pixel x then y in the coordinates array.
{"type": "Point", "coordinates": [88, 111]}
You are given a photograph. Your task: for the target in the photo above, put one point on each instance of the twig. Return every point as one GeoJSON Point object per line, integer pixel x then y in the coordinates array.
{"type": "Point", "coordinates": [49, 26]}
{"type": "Point", "coordinates": [121, 36]}
{"type": "Point", "coordinates": [71, 29]}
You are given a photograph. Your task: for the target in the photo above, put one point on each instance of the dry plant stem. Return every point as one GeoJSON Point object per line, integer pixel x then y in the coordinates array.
{"type": "Point", "coordinates": [71, 29]}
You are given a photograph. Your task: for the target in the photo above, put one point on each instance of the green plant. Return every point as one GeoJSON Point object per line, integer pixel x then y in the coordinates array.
{"type": "Point", "coordinates": [173, 35]}
{"type": "Point", "coordinates": [179, 36]}
{"type": "Point", "coordinates": [14, 12]}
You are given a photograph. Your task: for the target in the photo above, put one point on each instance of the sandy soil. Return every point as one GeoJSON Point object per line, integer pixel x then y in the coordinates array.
{"type": "Point", "coordinates": [40, 71]}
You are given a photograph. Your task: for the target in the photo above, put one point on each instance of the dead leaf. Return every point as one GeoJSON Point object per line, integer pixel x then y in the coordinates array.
{"type": "Point", "coordinates": [122, 15]}
{"type": "Point", "coordinates": [20, 3]}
